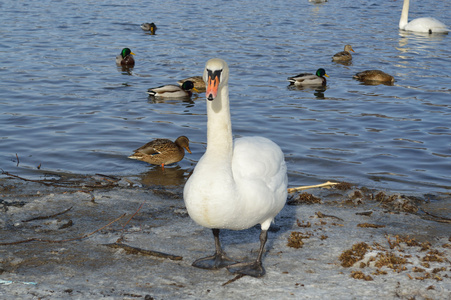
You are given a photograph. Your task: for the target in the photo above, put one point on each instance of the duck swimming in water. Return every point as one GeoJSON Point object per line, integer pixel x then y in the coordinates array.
{"type": "Point", "coordinates": [309, 78]}
{"type": "Point", "coordinates": [149, 27]}
{"type": "Point", "coordinates": [125, 58]}
{"type": "Point", "coordinates": [374, 76]}
{"type": "Point", "coordinates": [344, 55]}
{"type": "Point", "coordinates": [173, 90]}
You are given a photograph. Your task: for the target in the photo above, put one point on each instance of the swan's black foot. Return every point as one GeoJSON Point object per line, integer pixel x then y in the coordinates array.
{"type": "Point", "coordinates": [254, 269]}
{"type": "Point", "coordinates": [213, 262]}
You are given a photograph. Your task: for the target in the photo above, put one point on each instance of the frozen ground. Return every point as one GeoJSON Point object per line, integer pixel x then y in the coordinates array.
{"type": "Point", "coordinates": [344, 246]}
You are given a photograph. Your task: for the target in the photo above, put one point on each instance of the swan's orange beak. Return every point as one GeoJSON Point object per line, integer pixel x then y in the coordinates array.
{"type": "Point", "coordinates": [213, 84]}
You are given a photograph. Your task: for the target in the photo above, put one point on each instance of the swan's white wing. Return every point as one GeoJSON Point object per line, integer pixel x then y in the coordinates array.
{"type": "Point", "coordinates": [260, 173]}
{"type": "Point", "coordinates": [258, 157]}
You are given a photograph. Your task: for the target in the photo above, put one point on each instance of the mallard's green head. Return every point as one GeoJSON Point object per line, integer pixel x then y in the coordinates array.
{"type": "Point", "coordinates": [189, 85]}
{"type": "Point", "coordinates": [321, 72]}
{"type": "Point", "coordinates": [125, 52]}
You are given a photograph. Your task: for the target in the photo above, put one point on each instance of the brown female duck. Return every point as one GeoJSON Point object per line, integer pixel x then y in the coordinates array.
{"type": "Point", "coordinates": [162, 151]}
{"type": "Point", "coordinates": [374, 76]}
{"type": "Point", "coordinates": [344, 55]}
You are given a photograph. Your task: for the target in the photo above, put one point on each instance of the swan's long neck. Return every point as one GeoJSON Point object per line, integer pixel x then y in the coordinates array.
{"type": "Point", "coordinates": [404, 14]}
{"type": "Point", "coordinates": [219, 126]}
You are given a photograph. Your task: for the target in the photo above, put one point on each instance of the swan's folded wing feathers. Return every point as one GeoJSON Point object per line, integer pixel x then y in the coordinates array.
{"type": "Point", "coordinates": [258, 157]}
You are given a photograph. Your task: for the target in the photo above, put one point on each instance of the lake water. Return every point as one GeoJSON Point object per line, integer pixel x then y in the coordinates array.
{"type": "Point", "coordinates": [66, 107]}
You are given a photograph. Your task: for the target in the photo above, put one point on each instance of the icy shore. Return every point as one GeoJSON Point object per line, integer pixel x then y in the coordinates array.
{"type": "Point", "coordinates": [340, 245]}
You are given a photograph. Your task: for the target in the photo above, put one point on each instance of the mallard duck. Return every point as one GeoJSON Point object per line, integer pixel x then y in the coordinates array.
{"type": "Point", "coordinates": [162, 151]}
{"type": "Point", "coordinates": [344, 55]}
{"type": "Point", "coordinates": [125, 58]}
{"type": "Point", "coordinates": [149, 27]}
{"type": "Point", "coordinates": [238, 183]}
{"type": "Point", "coordinates": [198, 82]}
{"type": "Point", "coordinates": [309, 78]}
{"type": "Point", "coordinates": [376, 76]}
{"type": "Point", "coordinates": [173, 91]}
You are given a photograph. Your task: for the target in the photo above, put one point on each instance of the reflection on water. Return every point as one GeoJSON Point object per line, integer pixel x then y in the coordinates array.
{"type": "Point", "coordinates": [344, 63]}
{"type": "Point", "coordinates": [372, 82]}
{"type": "Point", "coordinates": [171, 101]}
{"type": "Point", "coordinates": [169, 176]}
{"type": "Point", "coordinates": [125, 70]}
{"type": "Point", "coordinates": [317, 91]}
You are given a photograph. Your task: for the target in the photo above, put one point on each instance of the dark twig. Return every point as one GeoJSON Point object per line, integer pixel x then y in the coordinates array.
{"type": "Point", "coordinates": [364, 213]}
{"type": "Point", "coordinates": [234, 279]}
{"type": "Point", "coordinates": [25, 179]}
{"type": "Point", "coordinates": [48, 217]}
{"type": "Point", "coordinates": [72, 185]}
{"type": "Point", "coordinates": [62, 241]}
{"type": "Point", "coordinates": [321, 215]}
{"type": "Point", "coordinates": [135, 250]}
{"type": "Point", "coordinates": [108, 176]}
{"type": "Point", "coordinates": [17, 156]}
{"type": "Point", "coordinates": [123, 227]}
{"type": "Point", "coordinates": [437, 218]}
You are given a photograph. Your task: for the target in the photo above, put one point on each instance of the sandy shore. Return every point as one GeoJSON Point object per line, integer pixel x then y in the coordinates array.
{"type": "Point", "coordinates": [328, 244]}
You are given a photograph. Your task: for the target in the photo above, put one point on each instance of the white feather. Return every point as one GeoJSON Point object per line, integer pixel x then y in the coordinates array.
{"type": "Point", "coordinates": [235, 185]}
{"type": "Point", "coordinates": [426, 24]}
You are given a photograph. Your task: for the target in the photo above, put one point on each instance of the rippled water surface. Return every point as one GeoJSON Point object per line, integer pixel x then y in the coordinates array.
{"type": "Point", "coordinates": [66, 107]}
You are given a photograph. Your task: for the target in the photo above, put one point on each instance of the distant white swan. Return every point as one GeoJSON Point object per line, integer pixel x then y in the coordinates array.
{"type": "Point", "coordinates": [236, 184]}
{"type": "Point", "coordinates": [427, 24]}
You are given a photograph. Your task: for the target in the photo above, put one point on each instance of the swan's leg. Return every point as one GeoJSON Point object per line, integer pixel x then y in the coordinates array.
{"type": "Point", "coordinates": [216, 261]}
{"type": "Point", "coordinates": [253, 268]}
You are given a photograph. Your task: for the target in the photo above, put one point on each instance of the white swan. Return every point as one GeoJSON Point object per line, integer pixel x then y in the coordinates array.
{"type": "Point", "coordinates": [236, 184]}
{"type": "Point", "coordinates": [427, 24]}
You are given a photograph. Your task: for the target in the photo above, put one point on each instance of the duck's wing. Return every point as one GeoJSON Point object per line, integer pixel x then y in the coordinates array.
{"type": "Point", "coordinates": [169, 88]}
{"type": "Point", "coordinates": [342, 54]}
{"type": "Point", "coordinates": [300, 77]}
{"type": "Point", "coordinates": [155, 147]}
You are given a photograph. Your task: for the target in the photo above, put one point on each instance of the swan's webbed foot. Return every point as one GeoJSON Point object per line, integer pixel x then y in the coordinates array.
{"type": "Point", "coordinates": [218, 260]}
{"type": "Point", "coordinates": [254, 269]}
{"type": "Point", "coordinates": [214, 262]}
